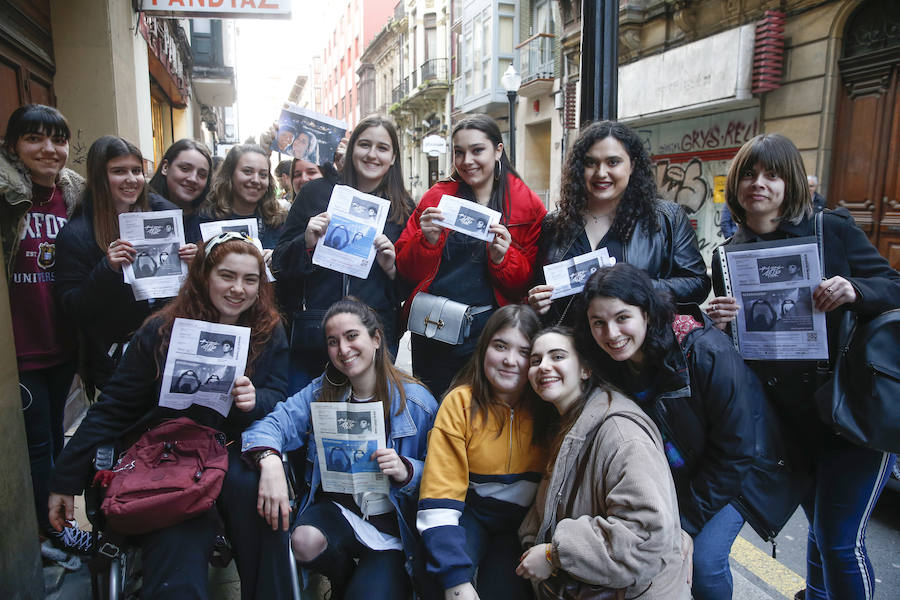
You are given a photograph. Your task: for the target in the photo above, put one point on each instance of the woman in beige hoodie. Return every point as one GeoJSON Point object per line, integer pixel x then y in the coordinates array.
{"type": "Point", "coordinates": [606, 513]}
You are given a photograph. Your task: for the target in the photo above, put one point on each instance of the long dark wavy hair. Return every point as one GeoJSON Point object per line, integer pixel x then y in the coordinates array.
{"type": "Point", "coordinates": [632, 286]}
{"type": "Point", "coordinates": [387, 376]}
{"type": "Point", "coordinates": [392, 186]}
{"type": "Point", "coordinates": [193, 302]}
{"type": "Point", "coordinates": [219, 202]}
{"type": "Point", "coordinates": [158, 182]}
{"type": "Point", "coordinates": [500, 200]}
{"type": "Point", "coordinates": [516, 316]}
{"type": "Point", "coordinates": [640, 196]}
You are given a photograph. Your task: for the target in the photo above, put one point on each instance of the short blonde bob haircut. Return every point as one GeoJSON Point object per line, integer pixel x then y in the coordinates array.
{"type": "Point", "coordinates": [779, 155]}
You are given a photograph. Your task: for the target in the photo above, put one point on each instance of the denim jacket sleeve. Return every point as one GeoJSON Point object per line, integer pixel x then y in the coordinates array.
{"type": "Point", "coordinates": [287, 427]}
{"type": "Point", "coordinates": [422, 407]}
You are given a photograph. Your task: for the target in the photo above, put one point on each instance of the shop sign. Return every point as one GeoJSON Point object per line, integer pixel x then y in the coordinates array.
{"type": "Point", "coordinates": [221, 9]}
{"type": "Point", "coordinates": [434, 145]}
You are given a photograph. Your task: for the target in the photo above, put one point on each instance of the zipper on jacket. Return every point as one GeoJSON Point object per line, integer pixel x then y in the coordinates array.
{"type": "Point", "coordinates": [512, 413]}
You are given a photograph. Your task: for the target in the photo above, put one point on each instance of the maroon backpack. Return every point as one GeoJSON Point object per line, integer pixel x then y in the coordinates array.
{"type": "Point", "coordinates": [172, 473]}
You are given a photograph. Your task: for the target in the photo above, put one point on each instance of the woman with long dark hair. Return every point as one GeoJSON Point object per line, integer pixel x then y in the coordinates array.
{"type": "Point", "coordinates": [606, 513]}
{"type": "Point", "coordinates": [372, 166]}
{"type": "Point", "coordinates": [769, 199]}
{"type": "Point", "coordinates": [91, 256]}
{"type": "Point", "coordinates": [359, 541]}
{"type": "Point", "coordinates": [724, 443]}
{"type": "Point", "coordinates": [37, 188]}
{"type": "Point", "coordinates": [183, 178]}
{"type": "Point", "coordinates": [609, 200]}
{"type": "Point", "coordinates": [226, 284]}
{"type": "Point", "coordinates": [486, 454]}
{"type": "Point", "coordinates": [465, 269]}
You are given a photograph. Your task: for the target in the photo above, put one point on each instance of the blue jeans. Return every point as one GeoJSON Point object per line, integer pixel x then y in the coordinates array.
{"type": "Point", "coordinates": [848, 481]}
{"type": "Point", "coordinates": [712, 572]}
{"type": "Point", "coordinates": [43, 394]}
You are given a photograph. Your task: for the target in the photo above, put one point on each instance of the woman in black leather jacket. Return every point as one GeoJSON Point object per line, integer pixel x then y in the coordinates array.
{"type": "Point", "coordinates": [609, 199]}
{"type": "Point", "coordinates": [722, 440]}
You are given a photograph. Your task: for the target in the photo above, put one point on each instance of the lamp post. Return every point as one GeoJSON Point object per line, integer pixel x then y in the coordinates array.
{"type": "Point", "coordinates": [511, 81]}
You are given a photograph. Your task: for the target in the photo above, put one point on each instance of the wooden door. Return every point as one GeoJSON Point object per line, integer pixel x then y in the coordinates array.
{"type": "Point", "coordinates": [865, 169]}
{"type": "Point", "coordinates": [26, 59]}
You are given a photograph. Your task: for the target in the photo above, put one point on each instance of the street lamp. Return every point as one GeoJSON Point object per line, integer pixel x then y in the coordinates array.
{"type": "Point", "coordinates": [511, 81]}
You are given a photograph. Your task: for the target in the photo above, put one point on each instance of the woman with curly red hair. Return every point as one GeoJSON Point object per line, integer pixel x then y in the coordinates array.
{"type": "Point", "coordinates": [226, 284]}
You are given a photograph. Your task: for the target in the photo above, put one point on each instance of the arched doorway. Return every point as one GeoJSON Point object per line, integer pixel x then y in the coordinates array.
{"type": "Point", "coordinates": [865, 170]}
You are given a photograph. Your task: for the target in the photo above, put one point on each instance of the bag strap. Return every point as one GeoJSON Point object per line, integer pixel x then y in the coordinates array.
{"type": "Point", "coordinates": [819, 241]}
{"type": "Point", "coordinates": [582, 462]}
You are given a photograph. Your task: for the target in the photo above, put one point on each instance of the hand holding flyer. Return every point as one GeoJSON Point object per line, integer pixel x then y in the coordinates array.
{"type": "Point", "coordinates": [773, 283]}
{"type": "Point", "coordinates": [569, 276]}
{"type": "Point", "coordinates": [347, 436]}
{"type": "Point", "coordinates": [157, 270]}
{"type": "Point", "coordinates": [202, 363]}
{"type": "Point", "coordinates": [356, 220]}
{"type": "Point", "coordinates": [467, 217]}
{"type": "Point", "coordinates": [308, 135]}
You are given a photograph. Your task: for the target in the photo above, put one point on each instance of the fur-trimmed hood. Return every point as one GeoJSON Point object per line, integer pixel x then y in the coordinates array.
{"type": "Point", "coordinates": [16, 200]}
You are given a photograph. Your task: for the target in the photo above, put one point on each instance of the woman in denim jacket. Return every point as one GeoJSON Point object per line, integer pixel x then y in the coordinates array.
{"type": "Point", "coordinates": [333, 530]}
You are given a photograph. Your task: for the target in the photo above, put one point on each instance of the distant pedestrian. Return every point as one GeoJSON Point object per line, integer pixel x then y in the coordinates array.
{"type": "Point", "coordinates": [818, 199]}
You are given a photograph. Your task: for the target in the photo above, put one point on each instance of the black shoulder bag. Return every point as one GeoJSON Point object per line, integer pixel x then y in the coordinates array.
{"type": "Point", "coordinates": [862, 400]}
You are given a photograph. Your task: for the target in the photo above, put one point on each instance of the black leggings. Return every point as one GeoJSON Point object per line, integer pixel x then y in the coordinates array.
{"type": "Point", "coordinates": [378, 574]}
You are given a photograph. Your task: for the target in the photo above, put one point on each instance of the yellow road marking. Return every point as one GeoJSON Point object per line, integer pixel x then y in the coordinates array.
{"type": "Point", "coordinates": [772, 572]}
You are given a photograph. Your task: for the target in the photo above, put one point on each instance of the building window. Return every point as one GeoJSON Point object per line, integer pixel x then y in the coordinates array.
{"type": "Point", "coordinates": [430, 36]}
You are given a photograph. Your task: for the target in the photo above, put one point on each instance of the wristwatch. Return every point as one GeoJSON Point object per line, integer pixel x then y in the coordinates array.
{"type": "Point", "coordinates": [264, 454]}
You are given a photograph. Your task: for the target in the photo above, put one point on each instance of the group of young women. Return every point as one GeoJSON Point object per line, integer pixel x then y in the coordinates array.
{"type": "Point", "coordinates": [526, 458]}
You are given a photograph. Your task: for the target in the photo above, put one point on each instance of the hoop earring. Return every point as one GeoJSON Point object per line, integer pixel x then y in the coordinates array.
{"type": "Point", "coordinates": [328, 366]}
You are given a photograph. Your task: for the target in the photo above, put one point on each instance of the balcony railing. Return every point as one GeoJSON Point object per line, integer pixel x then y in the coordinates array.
{"type": "Point", "coordinates": [401, 91]}
{"type": "Point", "coordinates": [536, 58]}
{"type": "Point", "coordinates": [433, 70]}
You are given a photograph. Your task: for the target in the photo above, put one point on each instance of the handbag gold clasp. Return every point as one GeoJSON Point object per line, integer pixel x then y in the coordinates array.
{"type": "Point", "coordinates": [439, 322]}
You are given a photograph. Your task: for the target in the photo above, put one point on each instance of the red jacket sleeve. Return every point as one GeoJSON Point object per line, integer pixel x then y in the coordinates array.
{"type": "Point", "coordinates": [416, 258]}
{"type": "Point", "coordinates": [514, 273]}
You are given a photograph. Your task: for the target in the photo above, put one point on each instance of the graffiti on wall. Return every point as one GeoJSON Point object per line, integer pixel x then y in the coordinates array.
{"type": "Point", "coordinates": [683, 184]}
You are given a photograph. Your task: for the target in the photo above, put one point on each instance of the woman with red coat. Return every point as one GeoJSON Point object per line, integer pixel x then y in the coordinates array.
{"type": "Point", "coordinates": [482, 275]}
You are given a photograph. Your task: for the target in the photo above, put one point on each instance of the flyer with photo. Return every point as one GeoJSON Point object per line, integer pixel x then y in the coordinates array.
{"type": "Point", "coordinates": [773, 283]}
{"type": "Point", "coordinates": [202, 363]}
{"type": "Point", "coordinates": [356, 219]}
{"type": "Point", "coordinates": [347, 436]}
{"type": "Point", "coordinates": [157, 270]}
{"type": "Point", "coordinates": [569, 276]}
{"type": "Point", "coordinates": [469, 218]}
{"type": "Point", "coordinates": [308, 135]}
{"type": "Point", "coordinates": [248, 227]}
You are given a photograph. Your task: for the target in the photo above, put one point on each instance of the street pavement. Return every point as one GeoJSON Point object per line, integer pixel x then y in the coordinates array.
{"type": "Point", "coordinates": [756, 575]}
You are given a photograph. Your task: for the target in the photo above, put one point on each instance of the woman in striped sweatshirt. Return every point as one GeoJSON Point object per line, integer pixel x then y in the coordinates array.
{"type": "Point", "coordinates": [485, 457]}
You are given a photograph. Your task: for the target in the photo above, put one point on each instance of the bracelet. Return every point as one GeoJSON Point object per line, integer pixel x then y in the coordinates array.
{"type": "Point", "coordinates": [264, 454]}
